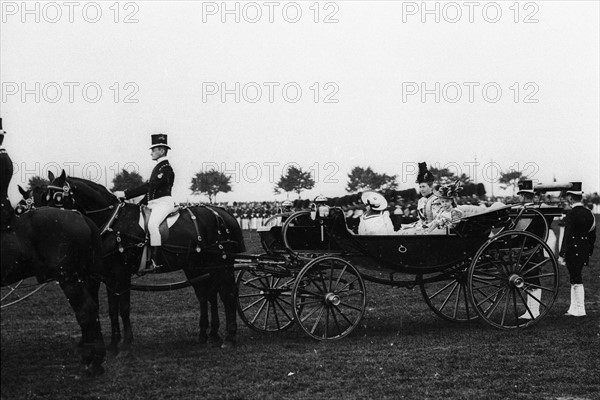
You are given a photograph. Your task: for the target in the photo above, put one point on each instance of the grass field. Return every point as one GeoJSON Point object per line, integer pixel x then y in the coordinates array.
{"type": "Point", "coordinates": [400, 350]}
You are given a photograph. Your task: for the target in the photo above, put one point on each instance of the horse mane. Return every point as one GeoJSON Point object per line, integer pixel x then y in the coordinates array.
{"type": "Point", "coordinates": [93, 190]}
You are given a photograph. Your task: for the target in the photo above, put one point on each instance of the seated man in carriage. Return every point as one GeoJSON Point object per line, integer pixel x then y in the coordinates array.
{"type": "Point", "coordinates": [376, 221]}
{"type": "Point", "coordinates": [158, 195]}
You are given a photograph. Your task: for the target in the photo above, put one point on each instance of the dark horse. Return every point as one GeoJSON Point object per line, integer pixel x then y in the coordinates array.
{"type": "Point", "coordinates": [201, 242]}
{"type": "Point", "coordinates": [60, 245]}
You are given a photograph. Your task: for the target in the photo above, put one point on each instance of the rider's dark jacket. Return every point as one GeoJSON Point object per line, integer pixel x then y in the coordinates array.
{"type": "Point", "coordinates": [159, 184]}
{"type": "Point", "coordinates": [6, 172]}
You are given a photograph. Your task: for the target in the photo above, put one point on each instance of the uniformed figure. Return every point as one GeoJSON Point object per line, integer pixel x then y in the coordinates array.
{"type": "Point", "coordinates": [6, 172]}
{"type": "Point", "coordinates": [577, 246]}
{"type": "Point", "coordinates": [158, 194]}
{"type": "Point", "coordinates": [526, 193]}
{"type": "Point", "coordinates": [428, 203]}
{"type": "Point", "coordinates": [376, 221]}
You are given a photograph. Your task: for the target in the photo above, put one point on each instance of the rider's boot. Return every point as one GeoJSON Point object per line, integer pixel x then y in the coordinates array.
{"type": "Point", "coordinates": [152, 264]}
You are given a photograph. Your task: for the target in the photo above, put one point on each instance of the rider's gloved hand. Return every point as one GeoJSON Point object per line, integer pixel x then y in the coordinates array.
{"type": "Point", "coordinates": [119, 194]}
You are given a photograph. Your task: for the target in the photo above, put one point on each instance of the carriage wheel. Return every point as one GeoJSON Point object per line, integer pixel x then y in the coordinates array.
{"type": "Point", "coordinates": [514, 274]}
{"type": "Point", "coordinates": [449, 297]}
{"type": "Point", "coordinates": [538, 225]}
{"type": "Point", "coordinates": [329, 298]}
{"type": "Point", "coordinates": [264, 300]}
{"type": "Point", "coordinates": [286, 225]}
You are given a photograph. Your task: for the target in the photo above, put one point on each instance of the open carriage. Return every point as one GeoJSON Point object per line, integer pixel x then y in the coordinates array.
{"type": "Point", "coordinates": [487, 268]}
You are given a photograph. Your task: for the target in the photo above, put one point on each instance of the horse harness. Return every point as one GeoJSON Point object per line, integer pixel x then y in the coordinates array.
{"type": "Point", "coordinates": [218, 247]}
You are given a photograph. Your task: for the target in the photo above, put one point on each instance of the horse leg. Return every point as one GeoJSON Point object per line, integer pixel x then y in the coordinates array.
{"type": "Point", "coordinates": [113, 313]}
{"type": "Point", "coordinates": [125, 310]}
{"type": "Point", "coordinates": [228, 294]}
{"type": "Point", "coordinates": [86, 311]}
{"type": "Point", "coordinates": [214, 316]}
{"type": "Point", "coordinates": [202, 336]}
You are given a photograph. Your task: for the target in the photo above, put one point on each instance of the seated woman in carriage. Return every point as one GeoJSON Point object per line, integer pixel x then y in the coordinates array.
{"type": "Point", "coordinates": [376, 221]}
{"type": "Point", "coordinates": [448, 216]}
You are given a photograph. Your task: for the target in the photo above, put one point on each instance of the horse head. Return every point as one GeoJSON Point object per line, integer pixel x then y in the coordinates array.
{"type": "Point", "coordinates": [31, 199]}
{"type": "Point", "coordinates": [77, 193]}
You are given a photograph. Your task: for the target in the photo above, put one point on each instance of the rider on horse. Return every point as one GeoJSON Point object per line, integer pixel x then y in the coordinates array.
{"type": "Point", "coordinates": [158, 195]}
{"type": "Point", "coordinates": [6, 172]}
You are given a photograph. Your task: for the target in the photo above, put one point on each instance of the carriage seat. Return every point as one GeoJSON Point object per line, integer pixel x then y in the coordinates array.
{"type": "Point", "coordinates": [467, 209]}
{"type": "Point", "coordinates": [164, 226]}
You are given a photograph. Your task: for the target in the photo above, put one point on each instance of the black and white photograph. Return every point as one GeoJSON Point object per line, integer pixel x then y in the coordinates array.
{"type": "Point", "coordinates": [304, 199]}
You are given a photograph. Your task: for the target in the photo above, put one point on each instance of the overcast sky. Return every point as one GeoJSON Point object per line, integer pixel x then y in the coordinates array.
{"type": "Point", "coordinates": [327, 85]}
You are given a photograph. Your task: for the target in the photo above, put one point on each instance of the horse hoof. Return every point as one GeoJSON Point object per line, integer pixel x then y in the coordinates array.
{"type": "Point", "coordinates": [228, 344]}
{"type": "Point", "coordinates": [93, 370]}
{"type": "Point", "coordinates": [202, 338]}
{"type": "Point", "coordinates": [124, 355]}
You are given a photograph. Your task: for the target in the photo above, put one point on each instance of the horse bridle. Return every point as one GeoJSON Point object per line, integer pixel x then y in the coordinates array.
{"type": "Point", "coordinates": [23, 208]}
{"type": "Point", "coordinates": [58, 197]}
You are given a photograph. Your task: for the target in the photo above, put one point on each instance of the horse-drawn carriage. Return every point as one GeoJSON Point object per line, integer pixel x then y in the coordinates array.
{"type": "Point", "coordinates": [491, 266]}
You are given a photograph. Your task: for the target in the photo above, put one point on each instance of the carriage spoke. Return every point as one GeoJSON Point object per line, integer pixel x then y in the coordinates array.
{"type": "Point", "coordinates": [326, 334]}
{"type": "Point", "coordinates": [267, 314]}
{"type": "Point", "coordinates": [348, 285]}
{"type": "Point", "coordinates": [441, 290]}
{"type": "Point", "coordinates": [314, 328]}
{"type": "Point", "coordinates": [337, 324]}
{"type": "Point", "coordinates": [457, 300]}
{"type": "Point", "coordinates": [283, 311]}
{"type": "Point", "coordinates": [448, 297]}
{"type": "Point", "coordinates": [259, 311]}
{"type": "Point", "coordinates": [337, 282]}
{"type": "Point", "coordinates": [343, 315]}
{"type": "Point", "coordinates": [533, 268]}
{"type": "Point", "coordinates": [253, 304]}
{"type": "Point", "coordinates": [304, 318]}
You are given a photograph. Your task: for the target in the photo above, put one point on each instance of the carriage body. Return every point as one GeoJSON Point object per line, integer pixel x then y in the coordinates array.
{"type": "Point", "coordinates": [470, 272]}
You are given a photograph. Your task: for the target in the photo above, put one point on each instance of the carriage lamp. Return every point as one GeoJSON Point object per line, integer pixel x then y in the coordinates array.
{"type": "Point", "coordinates": [321, 206]}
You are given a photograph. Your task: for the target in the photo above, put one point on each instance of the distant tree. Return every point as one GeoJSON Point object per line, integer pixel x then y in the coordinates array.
{"type": "Point", "coordinates": [443, 175]}
{"type": "Point", "coordinates": [295, 180]}
{"type": "Point", "coordinates": [510, 178]}
{"type": "Point", "coordinates": [464, 179]}
{"type": "Point", "coordinates": [126, 180]}
{"type": "Point", "coordinates": [37, 181]}
{"type": "Point", "coordinates": [210, 183]}
{"type": "Point", "coordinates": [360, 179]}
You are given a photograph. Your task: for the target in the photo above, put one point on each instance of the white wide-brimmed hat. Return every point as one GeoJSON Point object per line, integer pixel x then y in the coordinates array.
{"type": "Point", "coordinates": [375, 200]}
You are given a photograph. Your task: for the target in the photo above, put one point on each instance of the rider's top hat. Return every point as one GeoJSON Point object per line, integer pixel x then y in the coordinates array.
{"type": "Point", "coordinates": [575, 189]}
{"type": "Point", "coordinates": [525, 187]}
{"type": "Point", "coordinates": [2, 132]}
{"type": "Point", "coordinates": [375, 200]}
{"type": "Point", "coordinates": [320, 199]}
{"type": "Point", "coordinates": [424, 174]}
{"type": "Point", "coordinates": [159, 140]}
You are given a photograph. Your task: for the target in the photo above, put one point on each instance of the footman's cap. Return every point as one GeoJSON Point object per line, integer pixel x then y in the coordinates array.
{"type": "Point", "coordinates": [159, 140]}
{"type": "Point", "coordinates": [525, 187]}
{"type": "Point", "coordinates": [575, 189]}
